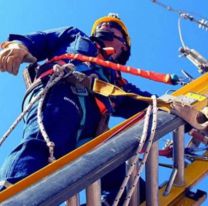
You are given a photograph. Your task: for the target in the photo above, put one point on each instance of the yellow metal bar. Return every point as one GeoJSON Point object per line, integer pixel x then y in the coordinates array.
{"type": "Point", "coordinates": [187, 201]}
{"type": "Point", "coordinates": [193, 173]}
{"type": "Point", "coordinates": [51, 168]}
{"type": "Point", "coordinates": [198, 85]}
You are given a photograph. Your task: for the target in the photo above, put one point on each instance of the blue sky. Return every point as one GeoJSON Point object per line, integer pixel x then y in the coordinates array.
{"type": "Point", "coordinates": [154, 37]}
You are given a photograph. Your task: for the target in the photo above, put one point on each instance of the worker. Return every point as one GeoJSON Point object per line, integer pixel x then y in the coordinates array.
{"type": "Point", "coordinates": [70, 115]}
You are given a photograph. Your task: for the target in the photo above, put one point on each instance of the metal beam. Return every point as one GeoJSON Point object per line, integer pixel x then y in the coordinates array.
{"type": "Point", "coordinates": [178, 149]}
{"type": "Point", "coordinates": [151, 176]}
{"type": "Point", "coordinates": [73, 177]}
{"type": "Point", "coordinates": [193, 173]}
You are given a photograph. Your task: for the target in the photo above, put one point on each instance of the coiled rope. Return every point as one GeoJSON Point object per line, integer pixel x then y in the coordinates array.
{"type": "Point", "coordinates": [143, 138]}
{"type": "Point", "coordinates": [54, 78]}
{"type": "Point", "coordinates": [58, 75]}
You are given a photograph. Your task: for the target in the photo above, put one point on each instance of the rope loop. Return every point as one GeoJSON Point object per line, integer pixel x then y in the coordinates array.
{"type": "Point", "coordinates": [151, 109]}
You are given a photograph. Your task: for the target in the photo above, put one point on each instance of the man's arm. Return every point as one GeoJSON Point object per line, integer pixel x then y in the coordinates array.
{"type": "Point", "coordinates": [125, 106]}
{"type": "Point", "coordinates": [36, 46]}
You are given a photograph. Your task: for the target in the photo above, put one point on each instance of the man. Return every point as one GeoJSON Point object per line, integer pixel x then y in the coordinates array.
{"type": "Point", "coordinates": [70, 115]}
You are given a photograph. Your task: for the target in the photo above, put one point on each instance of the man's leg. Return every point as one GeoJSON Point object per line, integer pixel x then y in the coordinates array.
{"type": "Point", "coordinates": [61, 119]}
{"type": "Point", "coordinates": [22, 161]}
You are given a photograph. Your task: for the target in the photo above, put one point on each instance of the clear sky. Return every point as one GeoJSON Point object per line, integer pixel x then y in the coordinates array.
{"type": "Point", "coordinates": [154, 37]}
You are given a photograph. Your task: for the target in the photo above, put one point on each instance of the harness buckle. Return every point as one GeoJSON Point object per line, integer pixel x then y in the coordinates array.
{"type": "Point", "coordinates": [80, 91]}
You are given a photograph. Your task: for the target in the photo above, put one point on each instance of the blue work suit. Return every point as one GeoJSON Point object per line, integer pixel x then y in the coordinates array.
{"type": "Point", "coordinates": [69, 116]}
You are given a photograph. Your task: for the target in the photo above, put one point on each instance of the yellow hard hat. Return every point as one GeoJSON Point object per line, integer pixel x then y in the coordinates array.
{"type": "Point", "coordinates": [112, 18]}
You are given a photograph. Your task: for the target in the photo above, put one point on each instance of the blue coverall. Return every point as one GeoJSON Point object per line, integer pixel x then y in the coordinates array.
{"type": "Point", "coordinates": [69, 115]}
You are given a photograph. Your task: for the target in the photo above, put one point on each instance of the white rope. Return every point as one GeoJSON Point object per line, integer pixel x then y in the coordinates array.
{"type": "Point", "coordinates": [136, 156]}
{"type": "Point", "coordinates": [33, 101]}
{"type": "Point", "coordinates": [58, 75]}
{"type": "Point", "coordinates": [58, 70]}
{"type": "Point", "coordinates": [150, 141]}
{"type": "Point", "coordinates": [20, 117]}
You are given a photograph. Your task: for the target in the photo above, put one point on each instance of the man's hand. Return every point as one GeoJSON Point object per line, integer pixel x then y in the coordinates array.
{"type": "Point", "coordinates": [12, 55]}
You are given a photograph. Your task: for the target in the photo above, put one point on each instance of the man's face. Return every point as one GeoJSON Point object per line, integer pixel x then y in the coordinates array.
{"type": "Point", "coordinates": [112, 36]}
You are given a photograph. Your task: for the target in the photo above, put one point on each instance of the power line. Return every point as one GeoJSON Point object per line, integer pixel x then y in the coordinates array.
{"type": "Point", "coordinates": [202, 23]}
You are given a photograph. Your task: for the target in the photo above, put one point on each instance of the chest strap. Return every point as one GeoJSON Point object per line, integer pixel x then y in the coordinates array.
{"type": "Point", "coordinates": [110, 90]}
{"type": "Point", "coordinates": [99, 87]}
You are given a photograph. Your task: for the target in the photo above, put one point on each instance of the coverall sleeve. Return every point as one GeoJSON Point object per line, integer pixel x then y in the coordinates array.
{"type": "Point", "coordinates": [47, 44]}
{"type": "Point", "coordinates": [125, 106]}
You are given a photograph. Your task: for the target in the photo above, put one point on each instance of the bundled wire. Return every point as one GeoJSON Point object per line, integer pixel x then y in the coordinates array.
{"type": "Point", "coordinates": [193, 157]}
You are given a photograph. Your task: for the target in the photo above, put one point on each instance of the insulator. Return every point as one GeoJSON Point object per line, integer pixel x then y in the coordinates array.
{"type": "Point", "coordinates": [203, 24]}
{"type": "Point", "coordinates": [187, 16]}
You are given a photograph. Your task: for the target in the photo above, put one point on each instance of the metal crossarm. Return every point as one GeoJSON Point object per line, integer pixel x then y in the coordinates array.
{"type": "Point", "coordinates": [71, 177]}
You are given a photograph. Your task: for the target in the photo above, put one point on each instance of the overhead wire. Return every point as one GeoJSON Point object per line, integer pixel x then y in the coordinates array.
{"type": "Point", "coordinates": [169, 8]}
{"type": "Point", "coordinates": [191, 54]}
{"type": "Point", "coordinates": [202, 23]}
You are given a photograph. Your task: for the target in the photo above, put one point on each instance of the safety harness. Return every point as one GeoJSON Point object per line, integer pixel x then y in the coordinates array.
{"type": "Point", "coordinates": [104, 88]}
{"type": "Point", "coordinates": [109, 90]}
{"type": "Point", "coordinates": [96, 85]}
{"type": "Point", "coordinates": [79, 79]}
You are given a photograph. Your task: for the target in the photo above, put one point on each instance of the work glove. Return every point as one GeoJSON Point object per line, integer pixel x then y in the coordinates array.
{"type": "Point", "coordinates": [12, 55]}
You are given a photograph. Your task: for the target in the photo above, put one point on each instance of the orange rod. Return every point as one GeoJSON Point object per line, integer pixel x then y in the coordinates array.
{"type": "Point", "coordinates": [159, 77]}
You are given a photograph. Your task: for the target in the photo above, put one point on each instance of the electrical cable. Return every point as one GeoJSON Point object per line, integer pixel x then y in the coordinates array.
{"type": "Point", "coordinates": [180, 32]}
{"type": "Point", "coordinates": [202, 23]}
